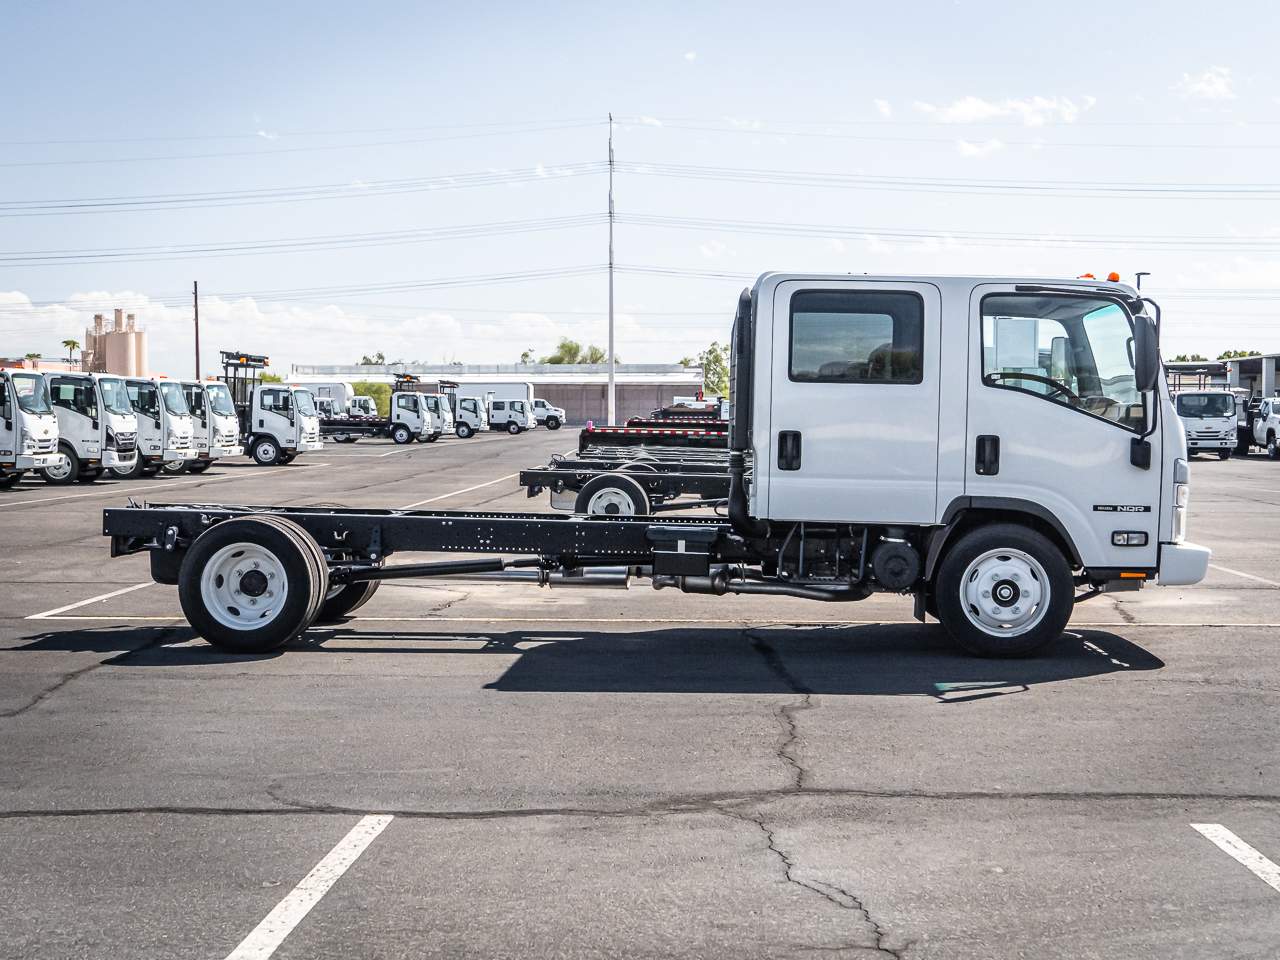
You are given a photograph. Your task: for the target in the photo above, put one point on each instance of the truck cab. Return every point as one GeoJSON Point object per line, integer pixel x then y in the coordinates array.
{"type": "Point", "coordinates": [216, 429]}
{"type": "Point", "coordinates": [547, 415]}
{"type": "Point", "coordinates": [470, 416]}
{"type": "Point", "coordinates": [441, 415]}
{"type": "Point", "coordinates": [164, 425]}
{"type": "Point", "coordinates": [513, 416]}
{"type": "Point", "coordinates": [1209, 419]}
{"type": "Point", "coordinates": [282, 422]}
{"type": "Point", "coordinates": [97, 428]}
{"type": "Point", "coordinates": [28, 426]}
{"type": "Point", "coordinates": [362, 406]}
{"type": "Point", "coordinates": [409, 419]}
{"type": "Point", "coordinates": [1266, 426]}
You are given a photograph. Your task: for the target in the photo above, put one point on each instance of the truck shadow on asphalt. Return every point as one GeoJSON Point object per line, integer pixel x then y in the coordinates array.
{"type": "Point", "coordinates": [863, 660]}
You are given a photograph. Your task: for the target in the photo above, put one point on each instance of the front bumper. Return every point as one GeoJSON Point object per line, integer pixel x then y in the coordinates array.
{"type": "Point", "coordinates": [114, 458]}
{"type": "Point", "coordinates": [33, 461]}
{"type": "Point", "coordinates": [309, 445]}
{"type": "Point", "coordinates": [174, 454]}
{"type": "Point", "coordinates": [1221, 443]}
{"type": "Point", "coordinates": [1182, 564]}
{"type": "Point", "coordinates": [217, 453]}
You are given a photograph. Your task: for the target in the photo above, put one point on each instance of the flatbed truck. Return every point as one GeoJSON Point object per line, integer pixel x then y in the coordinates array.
{"type": "Point", "coordinates": [977, 473]}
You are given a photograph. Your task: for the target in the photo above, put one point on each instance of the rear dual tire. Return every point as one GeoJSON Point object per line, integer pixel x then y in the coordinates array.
{"type": "Point", "coordinates": [251, 584]}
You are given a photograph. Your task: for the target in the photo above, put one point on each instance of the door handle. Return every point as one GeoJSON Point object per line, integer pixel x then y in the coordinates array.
{"type": "Point", "coordinates": [788, 449]}
{"type": "Point", "coordinates": [987, 463]}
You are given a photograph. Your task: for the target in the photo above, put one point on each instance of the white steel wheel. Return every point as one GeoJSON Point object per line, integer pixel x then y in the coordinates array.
{"type": "Point", "coordinates": [1005, 592]}
{"type": "Point", "coordinates": [266, 452]}
{"type": "Point", "coordinates": [174, 467]}
{"type": "Point", "coordinates": [401, 434]}
{"type": "Point", "coordinates": [60, 471]}
{"type": "Point", "coordinates": [612, 502]}
{"type": "Point", "coordinates": [244, 586]}
{"type": "Point", "coordinates": [615, 495]}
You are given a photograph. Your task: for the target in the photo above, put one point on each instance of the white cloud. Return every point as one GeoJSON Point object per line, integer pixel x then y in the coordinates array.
{"type": "Point", "coordinates": [741, 123]}
{"type": "Point", "coordinates": [1213, 84]}
{"type": "Point", "coordinates": [883, 108]}
{"type": "Point", "coordinates": [1032, 111]}
{"type": "Point", "coordinates": [691, 56]}
{"type": "Point", "coordinates": [982, 149]}
{"type": "Point", "coordinates": [712, 249]}
{"type": "Point", "coordinates": [268, 136]}
{"type": "Point", "coordinates": [649, 121]}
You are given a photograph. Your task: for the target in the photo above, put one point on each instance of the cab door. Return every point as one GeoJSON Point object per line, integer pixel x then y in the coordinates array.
{"type": "Point", "coordinates": [275, 413]}
{"type": "Point", "coordinates": [1053, 413]}
{"type": "Point", "coordinates": [853, 412]}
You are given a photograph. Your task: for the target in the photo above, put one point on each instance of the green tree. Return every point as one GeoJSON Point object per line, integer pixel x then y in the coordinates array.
{"type": "Point", "coordinates": [72, 346]}
{"type": "Point", "coordinates": [571, 351]}
{"type": "Point", "coordinates": [380, 392]}
{"type": "Point", "coordinates": [33, 355]}
{"type": "Point", "coordinates": [378, 359]}
{"type": "Point", "coordinates": [272, 378]}
{"type": "Point", "coordinates": [1237, 354]}
{"type": "Point", "coordinates": [1185, 358]}
{"type": "Point", "coordinates": [715, 369]}
{"type": "Point", "coordinates": [594, 354]}
{"type": "Point", "coordinates": [527, 356]}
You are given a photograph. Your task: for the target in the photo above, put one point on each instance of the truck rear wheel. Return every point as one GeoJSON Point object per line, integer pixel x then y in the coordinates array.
{"type": "Point", "coordinates": [401, 434]}
{"type": "Point", "coordinates": [250, 584]}
{"type": "Point", "coordinates": [1004, 591]}
{"type": "Point", "coordinates": [65, 470]}
{"type": "Point", "coordinates": [464, 430]}
{"type": "Point", "coordinates": [612, 495]}
{"type": "Point", "coordinates": [346, 599]}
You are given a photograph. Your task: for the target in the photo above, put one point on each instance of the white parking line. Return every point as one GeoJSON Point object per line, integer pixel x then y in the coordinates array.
{"type": "Point", "coordinates": [1247, 576]}
{"type": "Point", "coordinates": [446, 496]}
{"type": "Point", "coordinates": [289, 912]}
{"type": "Point", "coordinates": [1234, 847]}
{"type": "Point", "coordinates": [52, 614]}
{"type": "Point", "coordinates": [161, 484]}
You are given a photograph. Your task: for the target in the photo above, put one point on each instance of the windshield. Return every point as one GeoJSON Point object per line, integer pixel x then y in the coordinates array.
{"type": "Point", "coordinates": [114, 397]}
{"type": "Point", "coordinates": [1075, 351]}
{"type": "Point", "coordinates": [174, 401]}
{"type": "Point", "coordinates": [220, 399]}
{"type": "Point", "coordinates": [143, 397]}
{"type": "Point", "coordinates": [1205, 405]}
{"type": "Point", "coordinates": [32, 393]}
{"type": "Point", "coordinates": [303, 400]}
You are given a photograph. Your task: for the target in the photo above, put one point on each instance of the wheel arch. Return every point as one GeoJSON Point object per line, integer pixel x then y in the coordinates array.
{"type": "Point", "coordinates": [968, 513]}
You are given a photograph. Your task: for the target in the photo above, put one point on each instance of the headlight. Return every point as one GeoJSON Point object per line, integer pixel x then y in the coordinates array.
{"type": "Point", "coordinates": [30, 444]}
{"type": "Point", "coordinates": [111, 439]}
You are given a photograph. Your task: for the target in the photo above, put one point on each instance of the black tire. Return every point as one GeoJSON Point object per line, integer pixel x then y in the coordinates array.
{"type": "Point", "coordinates": [431, 438]}
{"type": "Point", "coordinates": [198, 466]}
{"type": "Point", "coordinates": [71, 466]}
{"type": "Point", "coordinates": [954, 575]}
{"type": "Point", "coordinates": [319, 565]}
{"type": "Point", "coordinates": [287, 458]}
{"type": "Point", "coordinates": [612, 495]}
{"type": "Point", "coordinates": [401, 434]}
{"type": "Point", "coordinates": [129, 473]}
{"type": "Point", "coordinates": [150, 469]}
{"type": "Point", "coordinates": [290, 553]}
{"type": "Point", "coordinates": [173, 468]}
{"type": "Point", "coordinates": [346, 600]}
{"type": "Point", "coordinates": [10, 480]}
{"type": "Point", "coordinates": [464, 430]}
{"type": "Point", "coordinates": [553, 423]}
{"type": "Point", "coordinates": [513, 428]}
{"type": "Point", "coordinates": [1224, 454]}
{"type": "Point", "coordinates": [265, 452]}
{"type": "Point", "coordinates": [90, 474]}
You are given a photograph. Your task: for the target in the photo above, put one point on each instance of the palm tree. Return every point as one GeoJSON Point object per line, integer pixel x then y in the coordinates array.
{"type": "Point", "coordinates": [33, 356]}
{"type": "Point", "coordinates": [72, 346]}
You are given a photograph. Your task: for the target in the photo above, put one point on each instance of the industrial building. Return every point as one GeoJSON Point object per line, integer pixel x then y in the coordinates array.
{"type": "Point", "coordinates": [121, 350]}
{"type": "Point", "coordinates": [580, 388]}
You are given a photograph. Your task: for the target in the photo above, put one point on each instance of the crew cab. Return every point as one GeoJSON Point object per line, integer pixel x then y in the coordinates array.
{"type": "Point", "coordinates": [513, 416]}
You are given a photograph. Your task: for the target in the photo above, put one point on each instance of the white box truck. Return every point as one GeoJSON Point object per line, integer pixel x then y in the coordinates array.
{"type": "Point", "coordinates": [28, 426]}
{"type": "Point", "coordinates": [97, 428]}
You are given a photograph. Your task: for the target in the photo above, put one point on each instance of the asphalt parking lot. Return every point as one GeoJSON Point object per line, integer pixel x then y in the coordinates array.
{"type": "Point", "coordinates": [476, 770]}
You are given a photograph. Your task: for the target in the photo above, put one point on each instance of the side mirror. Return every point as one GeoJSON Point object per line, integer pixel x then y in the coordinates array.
{"type": "Point", "coordinates": [1146, 354]}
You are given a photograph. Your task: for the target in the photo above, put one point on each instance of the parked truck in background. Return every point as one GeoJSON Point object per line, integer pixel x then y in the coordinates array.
{"type": "Point", "coordinates": [1209, 418]}
{"type": "Point", "coordinates": [28, 426]}
{"type": "Point", "coordinates": [164, 425]}
{"type": "Point", "coordinates": [97, 428]}
{"type": "Point", "coordinates": [470, 415]}
{"type": "Point", "coordinates": [215, 426]}
{"type": "Point", "coordinates": [547, 415]}
{"type": "Point", "coordinates": [513, 416]}
{"type": "Point", "coordinates": [278, 421]}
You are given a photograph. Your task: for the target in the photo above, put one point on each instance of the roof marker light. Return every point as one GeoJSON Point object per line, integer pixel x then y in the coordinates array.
{"type": "Point", "coordinates": [1113, 277]}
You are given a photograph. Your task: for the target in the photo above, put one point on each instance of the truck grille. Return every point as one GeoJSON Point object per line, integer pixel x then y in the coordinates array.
{"type": "Point", "coordinates": [180, 443]}
{"type": "Point", "coordinates": [1210, 434]}
{"type": "Point", "coordinates": [45, 445]}
{"type": "Point", "coordinates": [229, 439]}
{"type": "Point", "coordinates": [126, 442]}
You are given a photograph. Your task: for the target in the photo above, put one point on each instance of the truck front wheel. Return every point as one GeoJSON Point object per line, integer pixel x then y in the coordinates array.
{"type": "Point", "coordinates": [464, 430]}
{"type": "Point", "coordinates": [250, 584]}
{"type": "Point", "coordinates": [1004, 591]}
{"type": "Point", "coordinates": [65, 470]}
{"type": "Point", "coordinates": [265, 452]}
{"type": "Point", "coordinates": [553, 423]}
{"type": "Point", "coordinates": [10, 480]}
{"type": "Point", "coordinates": [401, 434]}
{"type": "Point", "coordinates": [513, 428]}
{"type": "Point", "coordinates": [131, 472]}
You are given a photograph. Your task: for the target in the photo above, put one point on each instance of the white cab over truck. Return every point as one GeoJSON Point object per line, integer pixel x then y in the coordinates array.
{"type": "Point", "coordinates": [216, 428]}
{"type": "Point", "coordinates": [164, 425]}
{"type": "Point", "coordinates": [278, 421]}
{"type": "Point", "coordinates": [1004, 449]}
{"type": "Point", "coordinates": [97, 428]}
{"type": "Point", "coordinates": [1209, 419]}
{"type": "Point", "coordinates": [28, 426]}
{"type": "Point", "coordinates": [513, 416]}
{"type": "Point", "coordinates": [1266, 426]}
{"type": "Point", "coordinates": [548, 416]}
{"type": "Point", "coordinates": [470, 415]}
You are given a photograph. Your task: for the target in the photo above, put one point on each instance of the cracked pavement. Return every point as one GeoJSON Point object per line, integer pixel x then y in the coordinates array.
{"type": "Point", "coordinates": [609, 773]}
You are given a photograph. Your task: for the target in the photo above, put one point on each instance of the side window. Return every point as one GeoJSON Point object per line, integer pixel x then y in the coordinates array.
{"type": "Point", "coordinates": [275, 400]}
{"type": "Point", "coordinates": [499, 405]}
{"type": "Point", "coordinates": [1076, 351]}
{"type": "Point", "coordinates": [856, 336]}
{"type": "Point", "coordinates": [407, 403]}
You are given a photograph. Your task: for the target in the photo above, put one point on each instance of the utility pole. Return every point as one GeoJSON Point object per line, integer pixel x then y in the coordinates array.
{"type": "Point", "coordinates": [195, 300]}
{"type": "Point", "coordinates": [612, 384]}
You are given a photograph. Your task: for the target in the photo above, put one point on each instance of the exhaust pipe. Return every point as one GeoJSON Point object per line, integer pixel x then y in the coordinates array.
{"type": "Point", "coordinates": [603, 577]}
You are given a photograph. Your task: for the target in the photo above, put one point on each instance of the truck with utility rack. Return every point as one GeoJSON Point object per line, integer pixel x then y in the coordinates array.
{"type": "Point", "coordinates": [1010, 448]}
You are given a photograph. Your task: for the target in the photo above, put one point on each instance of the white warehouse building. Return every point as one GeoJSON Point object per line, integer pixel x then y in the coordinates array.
{"type": "Point", "coordinates": [580, 388]}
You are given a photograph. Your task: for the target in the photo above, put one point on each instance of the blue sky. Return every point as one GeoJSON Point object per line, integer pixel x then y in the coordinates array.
{"type": "Point", "coordinates": [1172, 118]}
